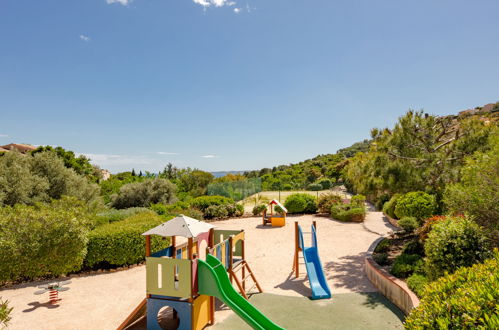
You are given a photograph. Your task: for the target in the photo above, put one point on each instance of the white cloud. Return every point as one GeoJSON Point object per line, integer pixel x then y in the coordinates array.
{"type": "Point", "coordinates": [3, 135]}
{"type": "Point", "coordinates": [216, 3]}
{"type": "Point", "coordinates": [166, 153]}
{"type": "Point", "coordinates": [123, 2]}
{"type": "Point", "coordinates": [84, 38]}
{"type": "Point", "coordinates": [209, 156]}
{"type": "Point", "coordinates": [237, 10]}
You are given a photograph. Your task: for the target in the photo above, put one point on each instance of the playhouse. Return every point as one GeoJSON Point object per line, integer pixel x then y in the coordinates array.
{"type": "Point", "coordinates": [279, 218]}
{"type": "Point", "coordinates": [185, 278]}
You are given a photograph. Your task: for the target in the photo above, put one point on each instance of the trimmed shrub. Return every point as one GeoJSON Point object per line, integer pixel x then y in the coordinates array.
{"type": "Point", "coordinates": [216, 212]}
{"type": "Point", "coordinates": [428, 224]}
{"type": "Point", "coordinates": [315, 187]}
{"type": "Point", "coordinates": [380, 201]}
{"type": "Point", "coordinates": [5, 311]}
{"type": "Point", "coordinates": [417, 283]}
{"type": "Point", "coordinates": [326, 201]}
{"type": "Point", "coordinates": [453, 243]}
{"type": "Point", "coordinates": [358, 200]}
{"type": "Point", "coordinates": [203, 202]}
{"type": "Point", "coordinates": [389, 207]}
{"type": "Point", "coordinates": [175, 208]}
{"type": "Point", "coordinates": [301, 203]}
{"type": "Point", "coordinates": [258, 209]}
{"type": "Point", "coordinates": [381, 258]}
{"type": "Point", "coordinates": [466, 299]}
{"type": "Point", "coordinates": [416, 204]}
{"type": "Point", "coordinates": [343, 212]}
{"type": "Point", "coordinates": [145, 193]}
{"type": "Point", "coordinates": [121, 243]}
{"type": "Point", "coordinates": [114, 215]}
{"type": "Point", "coordinates": [406, 264]}
{"type": "Point", "coordinates": [42, 240]}
{"type": "Point", "coordinates": [383, 246]}
{"type": "Point", "coordinates": [325, 183]}
{"type": "Point", "coordinates": [408, 224]}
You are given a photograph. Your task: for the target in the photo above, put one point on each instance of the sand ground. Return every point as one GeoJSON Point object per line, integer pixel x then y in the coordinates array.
{"type": "Point", "coordinates": [103, 301]}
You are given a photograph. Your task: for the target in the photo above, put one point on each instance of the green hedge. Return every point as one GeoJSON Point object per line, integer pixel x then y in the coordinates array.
{"type": "Point", "coordinates": [453, 243]}
{"type": "Point", "coordinates": [114, 215]}
{"type": "Point", "coordinates": [203, 202]}
{"type": "Point", "coordinates": [42, 240]}
{"type": "Point", "coordinates": [301, 203]}
{"type": "Point", "coordinates": [416, 204]}
{"type": "Point", "coordinates": [406, 264]}
{"type": "Point", "coordinates": [389, 207]}
{"type": "Point", "coordinates": [409, 224]}
{"type": "Point", "coordinates": [467, 299]}
{"type": "Point", "coordinates": [122, 243]}
{"type": "Point", "coordinates": [258, 209]}
{"type": "Point", "coordinates": [417, 283]}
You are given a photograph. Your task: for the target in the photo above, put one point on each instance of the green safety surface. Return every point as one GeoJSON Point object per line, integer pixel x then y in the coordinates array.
{"type": "Point", "coordinates": [368, 310]}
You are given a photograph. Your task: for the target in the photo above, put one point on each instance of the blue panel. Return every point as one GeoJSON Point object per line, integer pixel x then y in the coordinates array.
{"type": "Point", "coordinates": [227, 254]}
{"type": "Point", "coordinates": [179, 254]}
{"type": "Point", "coordinates": [219, 253]}
{"type": "Point", "coordinates": [163, 253]}
{"type": "Point", "coordinates": [183, 309]}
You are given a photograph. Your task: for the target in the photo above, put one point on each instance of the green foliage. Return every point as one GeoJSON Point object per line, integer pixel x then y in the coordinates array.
{"type": "Point", "coordinates": [422, 152]}
{"type": "Point", "coordinates": [278, 209]}
{"type": "Point", "coordinates": [406, 264]}
{"type": "Point", "coordinates": [344, 212]}
{"type": "Point", "coordinates": [203, 202]}
{"type": "Point", "coordinates": [301, 203]}
{"type": "Point", "coordinates": [145, 193]}
{"type": "Point", "coordinates": [409, 224]}
{"type": "Point", "coordinates": [237, 189]}
{"type": "Point", "coordinates": [477, 194]}
{"type": "Point", "coordinates": [326, 183]}
{"type": "Point", "coordinates": [42, 240]}
{"type": "Point", "coordinates": [326, 201]}
{"type": "Point", "coordinates": [315, 187]}
{"type": "Point", "coordinates": [416, 204]}
{"type": "Point", "coordinates": [414, 247]}
{"type": "Point", "coordinates": [358, 200]}
{"type": "Point", "coordinates": [216, 212]}
{"type": "Point", "coordinates": [383, 246]}
{"type": "Point", "coordinates": [121, 243]}
{"type": "Point", "coordinates": [453, 243]}
{"type": "Point", "coordinates": [466, 299]}
{"type": "Point", "coordinates": [114, 215]}
{"type": "Point", "coordinates": [258, 209]}
{"type": "Point", "coordinates": [115, 182]}
{"type": "Point", "coordinates": [381, 258]}
{"type": "Point", "coordinates": [188, 180]}
{"type": "Point", "coordinates": [5, 311]}
{"type": "Point", "coordinates": [28, 180]}
{"type": "Point", "coordinates": [389, 207]}
{"type": "Point", "coordinates": [417, 283]}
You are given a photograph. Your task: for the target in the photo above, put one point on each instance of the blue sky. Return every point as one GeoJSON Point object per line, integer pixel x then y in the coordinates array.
{"type": "Point", "coordinates": [234, 85]}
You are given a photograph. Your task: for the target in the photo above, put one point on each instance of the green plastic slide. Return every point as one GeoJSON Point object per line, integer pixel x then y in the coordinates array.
{"type": "Point", "coordinates": [214, 281]}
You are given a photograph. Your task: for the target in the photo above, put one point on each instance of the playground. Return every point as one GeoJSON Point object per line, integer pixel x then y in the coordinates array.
{"type": "Point", "coordinates": [108, 299]}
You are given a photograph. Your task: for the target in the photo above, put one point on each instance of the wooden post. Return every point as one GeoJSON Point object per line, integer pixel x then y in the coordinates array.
{"type": "Point", "coordinates": [174, 252]}
{"type": "Point", "coordinates": [231, 256]}
{"type": "Point", "coordinates": [315, 224]}
{"type": "Point", "coordinates": [297, 248]}
{"type": "Point", "coordinates": [148, 245]}
{"type": "Point", "coordinates": [243, 260]}
{"type": "Point", "coordinates": [189, 248]}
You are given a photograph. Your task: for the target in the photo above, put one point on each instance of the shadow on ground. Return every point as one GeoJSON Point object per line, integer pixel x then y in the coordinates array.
{"type": "Point", "coordinates": [348, 273]}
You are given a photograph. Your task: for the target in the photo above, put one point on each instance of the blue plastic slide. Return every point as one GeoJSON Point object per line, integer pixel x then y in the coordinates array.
{"type": "Point", "coordinates": [316, 277]}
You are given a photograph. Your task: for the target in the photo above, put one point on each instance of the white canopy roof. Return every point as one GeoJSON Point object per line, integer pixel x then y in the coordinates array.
{"type": "Point", "coordinates": [180, 226]}
{"type": "Point", "coordinates": [276, 202]}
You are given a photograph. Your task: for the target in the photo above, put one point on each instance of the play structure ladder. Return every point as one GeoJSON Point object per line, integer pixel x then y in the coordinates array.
{"type": "Point", "coordinates": [243, 266]}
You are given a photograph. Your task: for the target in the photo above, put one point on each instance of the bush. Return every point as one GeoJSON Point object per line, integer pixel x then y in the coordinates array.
{"type": "Point", "coordinates": [358, 200]}
{"type": "Point", "coordinates": [406, 264]}
{"type": "Point", "coordinates": [145, 193]}
{"type": "Point", "coordinates": [121, 243]}
{"type": "Point", "coordinates": [301, 203]}
{"type": "Point", "coordinates": [466, 299]}
{"type": "Point", "coordinates": [343, 212]}
{"type": "Point", "coordinates": [42, 240]}
{"type": "Point", "coordinates": [193, 213]}
{"type": "Point", "coordinates": [417, 283]}
{"type": "Point", "coordinates": [389, 207]}
{"type": "Point", "coordinates": [258, 209]}
{"type": "Point", "coordinates": [408, 224]}
{"type": "Point", "coordinates": [380, 201]}
{"type": "Point", "coordinates": [325, 183]}
{"type": "Point", "coordinates": [175, 208]}
{"type": "Point", "coordinates": [315, 187]}
{"type": "Point", "coordinates": [383, 246]}
{"type": "Point", "coordinates": [239, 210]}
{"type": "Point", "coordinates": [453, 243]}
{"type": "Point", "coordinates": [114, 215]}
{"type": "Point", "coordinates": [381, 258]}
{"type": "Point", "coordinates": [416, 204]}
{"type": "Point", "coordinates": [203, 202]}
{"type": "Point", "coordinates": [428, 224]}
{"type": "Point", "coordinates": [414, 247]}
{"type": "Point", "coordinates": [326, 201]}
{"type": "Point", "coordinates": [4, 313]}
{"type": "Point", "coordinates": [216, 212]}
{"type": "Point", "coordinates": [278, 209]}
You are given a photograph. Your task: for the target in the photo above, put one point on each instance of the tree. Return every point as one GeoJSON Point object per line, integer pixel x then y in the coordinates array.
{"type": "Point", "coordinates": [145, 193]}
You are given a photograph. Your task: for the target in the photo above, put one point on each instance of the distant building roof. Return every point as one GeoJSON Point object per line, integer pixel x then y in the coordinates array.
{"type": "Point", "coordinates": [23, 148]}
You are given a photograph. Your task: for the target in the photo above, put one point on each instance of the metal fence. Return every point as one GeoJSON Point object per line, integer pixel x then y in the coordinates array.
{"type": "Point", "coordinates": [237, 190]}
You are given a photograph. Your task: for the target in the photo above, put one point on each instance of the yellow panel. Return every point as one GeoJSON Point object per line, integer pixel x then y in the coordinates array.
{"type": "Point", "coordinates": [201, 312]}
{"type": "Point", "coordinates": [184, 253]}
{"type": "Point", "coordinates": [222, 248]}
{"type": "Point", "coordinates": [160, 277]}
{"type": "Point", "coordinates": [278, 222]}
